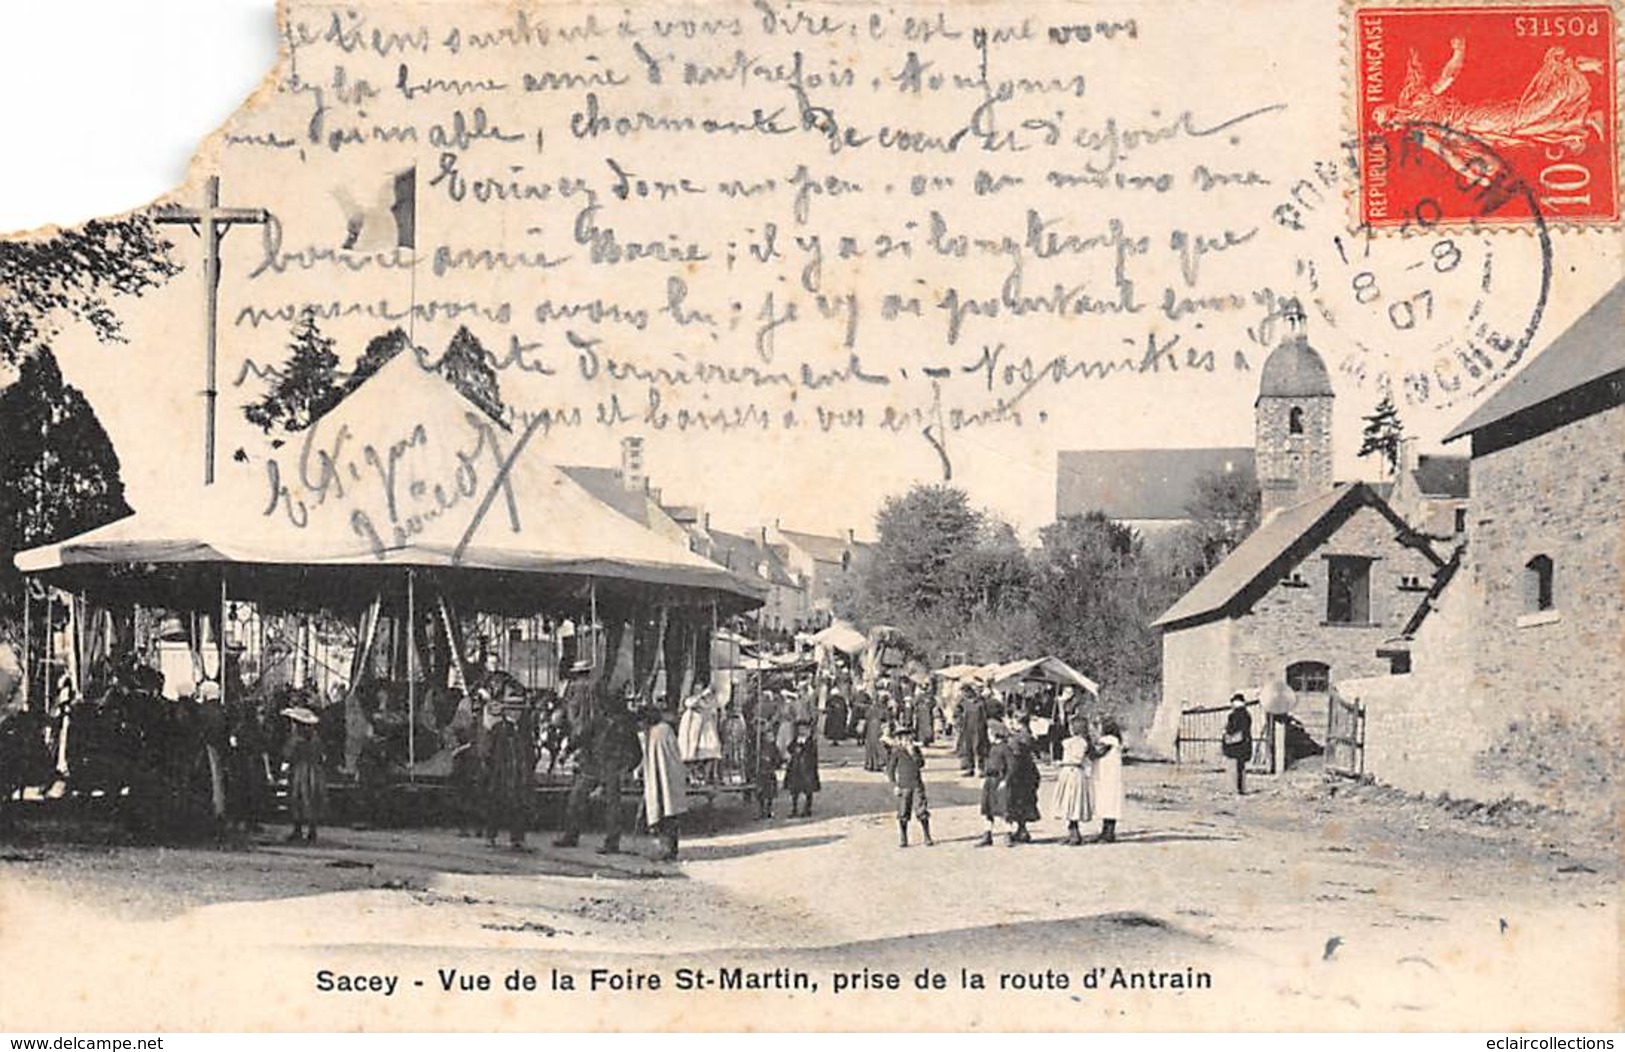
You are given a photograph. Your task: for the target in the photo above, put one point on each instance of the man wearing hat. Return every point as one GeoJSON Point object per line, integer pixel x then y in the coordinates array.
{"type": "Point", "coordinates": [509, 761]}
{"type": "Point", "coordinates": [1238, 739]}
{"type": "Point", "coordinates": [607, 750]}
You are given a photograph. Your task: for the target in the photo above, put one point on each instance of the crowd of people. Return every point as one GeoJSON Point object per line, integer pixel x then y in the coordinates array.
{"type": "Point", "coordinates": [495, 740]}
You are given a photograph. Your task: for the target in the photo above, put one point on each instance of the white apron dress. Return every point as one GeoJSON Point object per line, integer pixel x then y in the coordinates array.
{"type": "Point", "coordinates": [1073, 799]}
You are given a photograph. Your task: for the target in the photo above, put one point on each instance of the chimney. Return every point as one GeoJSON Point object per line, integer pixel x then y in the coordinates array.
{"type": "Point", "coordinates": [632, 473]}
{"type": "Point", "coordinates": [654, 494]}
{"type": "Point", "coordinates": [851, 536]}
{"type": "Point", "coordinates": [705, 521]}
{"type": "Point", "coordinates": [761, 535]}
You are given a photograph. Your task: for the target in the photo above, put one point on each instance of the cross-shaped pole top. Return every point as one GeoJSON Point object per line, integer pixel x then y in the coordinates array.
{"type": "Point", "coordinates": [210, 222]}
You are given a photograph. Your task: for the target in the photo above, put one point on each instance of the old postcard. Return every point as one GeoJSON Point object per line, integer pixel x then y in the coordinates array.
{"type": "Point", "coordinates": [832, 516]}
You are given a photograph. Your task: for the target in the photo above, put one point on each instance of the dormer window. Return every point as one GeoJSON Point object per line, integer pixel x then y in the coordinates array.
{"type": "Point", "coordinates": [1294, 420]}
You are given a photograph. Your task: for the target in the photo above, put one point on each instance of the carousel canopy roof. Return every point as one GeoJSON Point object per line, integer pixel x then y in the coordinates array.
{"type": "Point", "coordinates": [1042, 670]}
{"type": "Point", "coordinates": [404, 472]}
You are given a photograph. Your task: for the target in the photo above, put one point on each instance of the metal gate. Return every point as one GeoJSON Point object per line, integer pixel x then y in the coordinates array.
{"type": "Point", "coordinates": [1201, 738]}
{"type": "Point", "coordinates": [1345, 735]}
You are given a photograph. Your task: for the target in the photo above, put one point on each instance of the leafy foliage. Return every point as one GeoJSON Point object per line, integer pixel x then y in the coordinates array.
{"type": "Point", "coordinates": [380, 351]}
{"type": "Point", "coordinates": [1383, 433]}
{"type": "Point", "coordinates": [59, 474]}
{"type": "Point", "coordinates": [954, 579]}
{"type": "Point", "coordinates": [467, 365]}
{"type": "Point", "coordinates": [73, 273]}
{"type": "Point", "coordinates": [1224, 510]}
{"type": "Point", "coordinates": [306, 386]}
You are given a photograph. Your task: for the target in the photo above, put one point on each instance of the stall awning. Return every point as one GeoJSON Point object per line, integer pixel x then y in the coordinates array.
{"type": "Point", "coordinates": [1041, 670]}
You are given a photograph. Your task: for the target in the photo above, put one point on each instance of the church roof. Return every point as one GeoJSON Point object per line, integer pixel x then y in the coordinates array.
{"type": "Point", "coordinates": [1591, 349]}
{"type": "Point", "coordinates": [1294, 370]}
{"type": "Point", "coordinates": [1139, 484]}
{"type": "Point", "coordinates": [1270, 550]}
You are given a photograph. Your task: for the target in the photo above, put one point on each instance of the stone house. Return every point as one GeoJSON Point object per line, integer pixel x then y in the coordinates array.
{"type": "Point", "coordinates": [1311, 597]}
{"type": "Point", "coordinates": [823, 564]}
{"type": "Point", "coordinates": [1547, 532]}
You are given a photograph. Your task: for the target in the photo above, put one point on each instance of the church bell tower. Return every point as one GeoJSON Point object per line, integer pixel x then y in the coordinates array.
{"type": "Point", "coordinates": [1293, 417]}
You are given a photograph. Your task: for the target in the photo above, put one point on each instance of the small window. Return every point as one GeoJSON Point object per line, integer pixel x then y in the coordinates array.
{"type": "Point", "coordinates": [1313, 677]}
{"type": "Point", "coordinates": [1348, 590]}
{"type": "Point", "coordinates": [1461, 520]}
{"type": "Point", "coordinates": [1294, 420]}
{"type": "Point", "coordinates": [1537, 585]}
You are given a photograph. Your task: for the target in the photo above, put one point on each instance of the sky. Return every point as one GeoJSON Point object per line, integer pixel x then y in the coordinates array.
{"type": "Point", "coordinates": [146, 93]}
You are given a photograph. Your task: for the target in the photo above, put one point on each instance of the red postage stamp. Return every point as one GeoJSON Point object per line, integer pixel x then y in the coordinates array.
{"type": "Point", "coordinates": [1486, 115]}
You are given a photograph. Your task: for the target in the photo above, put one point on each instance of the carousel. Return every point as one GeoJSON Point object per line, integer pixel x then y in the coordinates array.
{"type": "Point", "coordinates": [399, 554]}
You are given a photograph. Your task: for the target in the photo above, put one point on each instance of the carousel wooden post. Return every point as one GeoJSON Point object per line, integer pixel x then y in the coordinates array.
{"type": "Point", "coordinates": [411, 678]}
{"type": "Point", "coordinates": [28, 642]}
{"type": "Point", "coordinates": [592, 625]}
{"type": "Point", "coordinates": [224, 617]}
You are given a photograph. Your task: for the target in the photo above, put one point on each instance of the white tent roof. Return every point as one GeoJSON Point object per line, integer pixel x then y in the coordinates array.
{"type": "Point", "coordinates": [842, 637]}
{"type": "Point", "coordinates": [405, 471]}
{"type": "Point", "coordinates": [1042, 670]}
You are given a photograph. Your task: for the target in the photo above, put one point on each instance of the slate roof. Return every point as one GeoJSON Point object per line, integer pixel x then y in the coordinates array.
{"type": "Point", "coordinates": [1437, 476]}
{"type": "Point", "coordinates": [606, 485]}
{"type": "Point", "coordinates": [1263, 556]}
{"type": "Point", "coordinates": [1141, 484]}
{"type": "Point", "coordinates": [1591, 348]}
{"type": "Point", "coordinates": [746, 557]}
{"type": "Point", "coordinates": [823, 549]}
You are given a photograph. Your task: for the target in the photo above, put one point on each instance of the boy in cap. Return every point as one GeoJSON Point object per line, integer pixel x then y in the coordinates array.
{"type": "Point", "coordinates": [801, 770]}
{"type": "Point", "coordinates": [768, 761]}
{"type": "Point", "coordinates": [904, 769]}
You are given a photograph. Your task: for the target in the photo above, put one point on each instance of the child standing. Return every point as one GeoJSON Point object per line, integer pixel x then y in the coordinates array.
{"type": "Point", "coordinates": [768, 761]}
{"type": "Point", "coordinates": [1108, 755]}
{"type": "Point", "coordinates": [905, 769]}
{"type": "Point", "coordinates": [801, 769]}
{"type": "Point", "coordinates": [996, 767]}
{"type": "Point", "coordinates": [1074, 789]}
{"type": "Point", "coordinates": [307, 775]}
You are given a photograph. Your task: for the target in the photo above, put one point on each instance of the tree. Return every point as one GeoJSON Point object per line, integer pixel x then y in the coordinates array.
{"type": "Point", "coordinates": [306, 386]}
{"type": "Point", "coordinates": [59, 474]}
{"type": "Point", "coordinates": [1096, 594]}
{"type": "Point", "coordinates": [922, 536]}
{"type": "Point", "coordinates": [1383, 434]}
{"type": "Point", "coordinates": [73, 273]}
{"type": "Point", "coordinates": [1224, 509]}
{"type": "Point", "coordinates": [467, 365]}
{"type": "Point", "coordinates": [380, 351]}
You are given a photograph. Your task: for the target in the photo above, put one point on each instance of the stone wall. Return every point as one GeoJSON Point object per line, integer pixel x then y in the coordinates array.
{"type": "Point", "coordinates": [1561, 494]}
{"type": "Point", "coordinates": [1288, 624]}
{"type": "Point", "coordinates": [1195, 671]}
{"type": "Point", "coordinates": [1292, 468]}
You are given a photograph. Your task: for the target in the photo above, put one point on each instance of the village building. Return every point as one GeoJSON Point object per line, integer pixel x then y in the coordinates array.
{"type": "Point", "coordinates": [787, 609]}
{"type": "Point", "coordinates": [1317, 593]}
{"type": "Point", "coordinates": [826, 566]}
{"type": "Point", "coordinates": [1547, 531]}
{"type": "Point", "coordinates": [627, 489]}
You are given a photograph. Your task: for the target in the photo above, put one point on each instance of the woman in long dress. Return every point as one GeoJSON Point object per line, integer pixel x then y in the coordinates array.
{"type": "Point", "coordinates": [1073, 798]}
{"type": "Point", "coordinates": [307, 777]}
{"type": "Point", "coordinates": [1022, 805]}
{"type": "Point", "coordinates": [699, 736]}
{"type": "Point", "coordinates": [1108, 757]}
{"type": "Point", "coordinates": [874, 732]}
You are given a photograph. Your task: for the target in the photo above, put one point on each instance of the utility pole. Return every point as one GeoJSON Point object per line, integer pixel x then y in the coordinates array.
{"type": "Point", "coordinates": [211, 222]}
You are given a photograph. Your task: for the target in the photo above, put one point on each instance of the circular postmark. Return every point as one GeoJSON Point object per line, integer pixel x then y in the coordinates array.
{"type": "Point", "coordinates": [1440, 302]}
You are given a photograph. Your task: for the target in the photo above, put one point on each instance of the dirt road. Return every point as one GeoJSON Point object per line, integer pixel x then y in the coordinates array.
{"type": "Point", "coordinates": [1299, 906]}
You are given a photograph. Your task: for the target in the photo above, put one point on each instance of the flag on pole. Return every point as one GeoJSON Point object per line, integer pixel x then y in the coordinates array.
{"type": "Point", "coordinates": [390, 221]}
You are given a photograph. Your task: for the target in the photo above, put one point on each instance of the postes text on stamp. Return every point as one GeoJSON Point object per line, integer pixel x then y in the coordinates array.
{"type": "Point", "coordinates": [1457, 104]}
